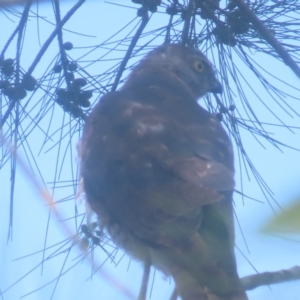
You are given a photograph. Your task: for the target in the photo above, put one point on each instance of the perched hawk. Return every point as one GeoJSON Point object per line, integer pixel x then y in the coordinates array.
{"type": "Point", "coordinates": [158, 171]}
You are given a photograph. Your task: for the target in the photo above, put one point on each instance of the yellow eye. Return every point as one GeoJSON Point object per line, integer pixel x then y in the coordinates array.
{"type": "Point", "coordinates": [198, 65]}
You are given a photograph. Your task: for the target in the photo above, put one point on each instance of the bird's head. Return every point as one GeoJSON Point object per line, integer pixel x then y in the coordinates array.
{"type": "Point", "coordinates": [188, 65]}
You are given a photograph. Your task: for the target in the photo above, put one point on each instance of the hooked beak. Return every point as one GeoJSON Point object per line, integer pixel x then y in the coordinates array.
{"type": "Point", "coordinates": [216, 87]}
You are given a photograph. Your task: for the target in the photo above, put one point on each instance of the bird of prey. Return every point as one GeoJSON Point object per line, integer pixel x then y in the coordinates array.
{"type": "Point", "coordinates": [158, 171]}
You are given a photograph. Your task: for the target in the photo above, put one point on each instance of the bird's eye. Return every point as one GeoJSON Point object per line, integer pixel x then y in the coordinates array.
{"type": "Point", "coordinates": [198, 65]}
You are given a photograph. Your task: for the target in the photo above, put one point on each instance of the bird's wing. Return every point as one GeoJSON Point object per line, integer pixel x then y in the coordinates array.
{"type": "Point", "coordinates": [179, 159]}
{"type": "Point", "coordinates": [167, 169]}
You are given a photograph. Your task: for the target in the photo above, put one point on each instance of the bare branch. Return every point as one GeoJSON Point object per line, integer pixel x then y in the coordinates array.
{"type": "Point", "coordinates": [145, 280]}
{"type": "Point", "coordinates": [53, 35]}
{"type": "Point", "coordinates": [187, 21]}
{"type": "Point", "coordinates": [269, 37]}
{"type": "Point", "coordinates": [253, 281]}
{"type": "Point", "coordinates": [134, 40]}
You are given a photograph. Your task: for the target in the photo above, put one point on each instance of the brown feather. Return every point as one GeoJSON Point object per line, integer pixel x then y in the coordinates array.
{"type": "Point", "coordinates": [158, 171]}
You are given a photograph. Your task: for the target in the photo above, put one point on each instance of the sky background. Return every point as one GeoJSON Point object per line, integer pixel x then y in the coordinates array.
{"type": "Point", "coordinates": [260, 252]}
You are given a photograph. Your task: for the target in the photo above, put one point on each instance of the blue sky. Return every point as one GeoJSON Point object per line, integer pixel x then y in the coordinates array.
{"type": "Point", "coordinates": [265, 252]}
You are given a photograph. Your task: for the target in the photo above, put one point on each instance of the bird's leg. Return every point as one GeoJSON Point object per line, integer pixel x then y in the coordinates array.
{"type": "Point", "coordinates": [145, 280]}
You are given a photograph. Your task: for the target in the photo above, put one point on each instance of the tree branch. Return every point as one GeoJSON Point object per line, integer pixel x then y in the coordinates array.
{"type": "Point", "coordinates": [187, 21]}
{"type": "Point", "coordinates": [20, 29]}
{"type": "Point", "coordinates": [134, 40]}
{"type": "Point", "coordinates": [268, 36]}
{"type": "Point", "coordinates": [145, 280]}
{"type": "Point", "coordinates": [53, 35]}
{"type": "Point", "coordinates": [253, 281]}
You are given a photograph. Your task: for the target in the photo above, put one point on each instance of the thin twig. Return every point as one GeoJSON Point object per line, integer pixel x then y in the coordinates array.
{"type": "Point", "coordinates": [268, 36]}
{"type": "Point", "coordinates": [145, 280]}
{"type": "Point", "coordinates": [47, 197]}
{"type": "Point", "coordinates": [63, 56]}
{"type": "Point", "coordinates": [11, 39]}
{"type": "Point", "coordinates": [19, 30]}
{"type": "Point", "coordinates": [187, 21]}
{"type": "Point", "coordinates": [134, 40]}
{"type": "Point", "coordinates": [19, 40]}
{"type": "Point", "coordinates": [53, 35]}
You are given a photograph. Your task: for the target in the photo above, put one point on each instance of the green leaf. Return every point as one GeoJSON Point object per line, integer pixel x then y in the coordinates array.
{"type": "Point", "coordinates": [288, 221]}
